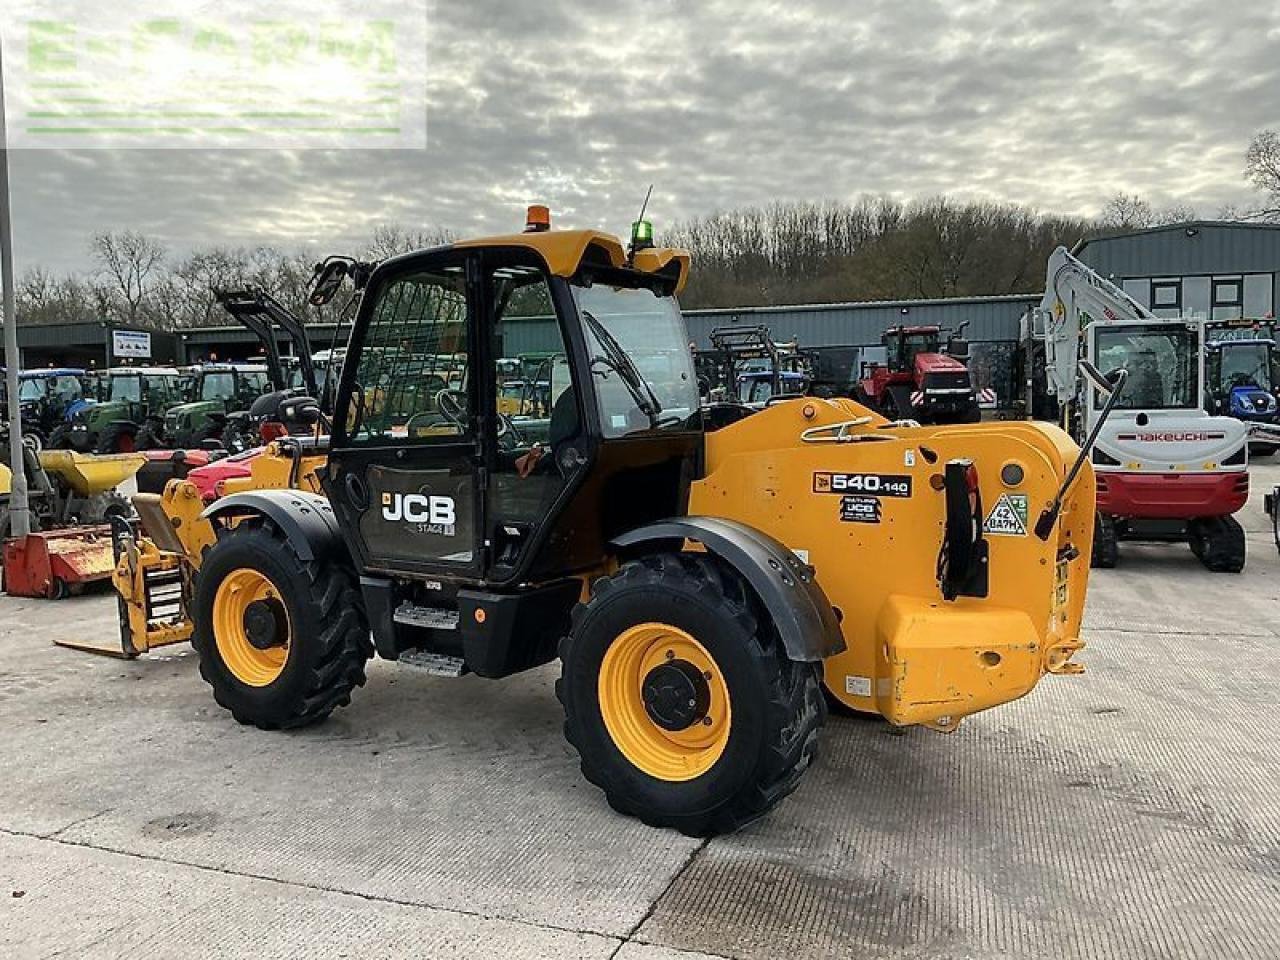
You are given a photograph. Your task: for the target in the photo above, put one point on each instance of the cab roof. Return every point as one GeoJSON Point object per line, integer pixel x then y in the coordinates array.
{"type": "Point", "coordinates": [50, 372]}
{"type": "Point", "coordinates": [145, 371]}
{"type": "Point", "coordinates": [565, 251]}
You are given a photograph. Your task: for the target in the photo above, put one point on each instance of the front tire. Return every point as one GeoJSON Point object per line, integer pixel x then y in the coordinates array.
{"type": "Point", "coordinates": [281, 641]}
{"type": "Point", "coordinates": [680, 700]}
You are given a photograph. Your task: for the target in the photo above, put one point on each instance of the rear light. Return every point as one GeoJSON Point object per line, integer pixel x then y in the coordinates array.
{"type": "Point", "coordinates": [962, 561]}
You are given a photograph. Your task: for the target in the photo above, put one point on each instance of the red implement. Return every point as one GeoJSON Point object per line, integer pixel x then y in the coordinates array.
{"type": "Point", "coordinates": [57, 563]}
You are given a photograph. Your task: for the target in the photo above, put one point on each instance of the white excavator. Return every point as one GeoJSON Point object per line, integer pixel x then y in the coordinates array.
{"type": "Point", "coordinates": [1167, 470]}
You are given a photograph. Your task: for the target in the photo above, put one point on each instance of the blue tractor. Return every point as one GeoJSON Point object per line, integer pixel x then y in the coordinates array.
{"type": "Point", "coordinates": [49, 399]}
{"type": "Point", "coordinates": [1241, 381]}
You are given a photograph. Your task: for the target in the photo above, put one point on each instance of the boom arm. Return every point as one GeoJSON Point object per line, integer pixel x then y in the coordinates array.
{"type": "Point", "coordinates": [258, 310]}
{"type": "Point", "coordinates": [1074, 297]}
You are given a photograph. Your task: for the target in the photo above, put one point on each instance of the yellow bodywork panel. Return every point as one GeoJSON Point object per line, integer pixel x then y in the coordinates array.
{"type": "Point", "coordinates": [862, 503]}
{"type": "Point", "coordinates": [6, 480]}
{"type": "Point", "coordinates": [563, 251]}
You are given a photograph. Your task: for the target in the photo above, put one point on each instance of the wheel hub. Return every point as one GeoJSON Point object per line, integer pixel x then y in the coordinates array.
{"type": "Point", "coordinates": [676, 695]}
{"type": "Point", "coordinates": [265, 624]}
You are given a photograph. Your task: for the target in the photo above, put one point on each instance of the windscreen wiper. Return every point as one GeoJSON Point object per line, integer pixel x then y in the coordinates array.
{"type": "Point", "coordinates": [631, 377]}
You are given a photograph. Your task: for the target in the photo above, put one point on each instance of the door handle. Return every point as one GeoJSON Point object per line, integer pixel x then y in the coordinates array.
{"type": "Point", "coordinates": [357, 491]}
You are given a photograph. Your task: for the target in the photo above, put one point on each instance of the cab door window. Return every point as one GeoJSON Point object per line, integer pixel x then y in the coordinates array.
{"type": "Point", "coordinates": [536, 410]}
{"type": "Point", "coordinates": [412, 381]}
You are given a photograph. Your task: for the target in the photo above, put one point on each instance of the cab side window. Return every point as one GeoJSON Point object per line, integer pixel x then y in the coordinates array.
{"type": "Point", "coordinates": [412, 383]}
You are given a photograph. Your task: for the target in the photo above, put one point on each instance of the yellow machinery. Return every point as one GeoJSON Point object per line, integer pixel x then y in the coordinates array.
{"type": "Point", "coordinates": [701, 574]}
{"type": "Point", "coordinates": [154, 573]}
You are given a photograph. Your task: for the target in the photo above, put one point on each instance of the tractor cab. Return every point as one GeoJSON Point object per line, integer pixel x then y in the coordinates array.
{"type": "Point", "coordinates": [50, 398]}
{"type": "Point", "coordinates": [1241, 379]}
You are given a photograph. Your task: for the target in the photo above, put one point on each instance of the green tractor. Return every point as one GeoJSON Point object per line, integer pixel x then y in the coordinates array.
{"type": "Point", "coordinates": [221, 390]}
{"type": "Point", "coordinates": [129, 400]}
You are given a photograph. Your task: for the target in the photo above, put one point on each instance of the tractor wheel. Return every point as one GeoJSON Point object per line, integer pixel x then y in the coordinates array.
{"type": "Point", "coordinates": [680, 700]}
{"type": "Point", "coordinates": [1218, 543]}
{"type": "Point", "coordinates": [118, 438]}
{"type": "Point", "coordinates": [59, 438]}
{"type": "Point", "coordinates": [149, 438]}
{"type": "Point", "coordinates": [1106, 543]}
{"type": "Point", "coordinates": [282, 641]}
{"type": "Point", "coordinates": [101, 507]}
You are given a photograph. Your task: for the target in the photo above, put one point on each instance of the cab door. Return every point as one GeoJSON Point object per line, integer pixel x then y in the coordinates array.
{"type": "Point", "coordinates": [405, 471]}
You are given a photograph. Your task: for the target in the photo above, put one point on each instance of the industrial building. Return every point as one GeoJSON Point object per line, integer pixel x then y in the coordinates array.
{"type": "Point", "coordinates": [1217, 270]}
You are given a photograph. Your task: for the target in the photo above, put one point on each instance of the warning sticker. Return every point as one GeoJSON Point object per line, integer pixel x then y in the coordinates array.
{"type": "Point", "coordinates": [1008, 518]}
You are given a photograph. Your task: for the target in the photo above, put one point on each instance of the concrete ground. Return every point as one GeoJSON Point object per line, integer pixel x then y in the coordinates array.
{"type": "Point", "coordinates": [1132, 812]}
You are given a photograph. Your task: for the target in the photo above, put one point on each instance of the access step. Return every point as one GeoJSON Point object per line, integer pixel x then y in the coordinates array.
{"type": "Point", "coordinates": [430, 618]}
{"type": "Point", "coordinates": [436, 664]}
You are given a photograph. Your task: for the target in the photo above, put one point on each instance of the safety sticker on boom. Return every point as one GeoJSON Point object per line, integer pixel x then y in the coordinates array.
{"type": "Point", "coordinates": [1008, 518]}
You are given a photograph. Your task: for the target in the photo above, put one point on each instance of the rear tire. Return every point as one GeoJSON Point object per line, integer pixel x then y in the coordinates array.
{"type": "Point", "coordinates": [1218, 543]}
{"type": "Point", "coordinates": [772, 711]}
{"type": "Point", "coordinates": [1106, 543]}
{"type": "Point", "coordinates": [101, 507]}
{"type": "Point", "coordinates": [325, 632]}
{"type": "Point", "coordinates": [118, 438]}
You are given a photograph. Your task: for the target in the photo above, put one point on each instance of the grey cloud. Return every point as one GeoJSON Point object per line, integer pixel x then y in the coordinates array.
{"type": "Point", "coordinates": [581, 105]}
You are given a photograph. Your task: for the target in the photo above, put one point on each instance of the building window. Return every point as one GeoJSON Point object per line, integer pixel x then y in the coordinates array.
{"type": "Point", "coordinates": [1166, 295]}
{"type": "Point", "coordinates": [1227, 297]}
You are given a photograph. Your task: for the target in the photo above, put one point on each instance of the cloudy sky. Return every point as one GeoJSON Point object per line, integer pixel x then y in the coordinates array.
{"type": "Point", "coordinates": [581, 105]}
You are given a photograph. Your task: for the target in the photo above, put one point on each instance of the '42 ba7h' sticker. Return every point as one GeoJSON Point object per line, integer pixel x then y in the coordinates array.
{"type": "Point", "coordinates": [1008, 518]}
{"type": "Point", "coordinates": [866, 484]}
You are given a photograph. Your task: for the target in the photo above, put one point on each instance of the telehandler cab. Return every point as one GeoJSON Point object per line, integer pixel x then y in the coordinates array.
{"type": "Point", "coordinates": [699, 586]}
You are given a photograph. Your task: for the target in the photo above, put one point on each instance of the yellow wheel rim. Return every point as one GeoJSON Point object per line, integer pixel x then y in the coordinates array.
{"type": "Point", "coordinates": [667, 754]}
{"type": "Point", "coordinates": [238, 592]}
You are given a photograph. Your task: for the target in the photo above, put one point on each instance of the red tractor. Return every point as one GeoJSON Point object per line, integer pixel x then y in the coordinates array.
{"type": "Point", "coordinates": [921, 380]}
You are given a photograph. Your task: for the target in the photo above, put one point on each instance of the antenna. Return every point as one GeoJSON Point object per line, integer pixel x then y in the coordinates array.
{"type": "Point", "coordinates": [645, 206]}
{"type": "Point", "coordinates": [641, 230]}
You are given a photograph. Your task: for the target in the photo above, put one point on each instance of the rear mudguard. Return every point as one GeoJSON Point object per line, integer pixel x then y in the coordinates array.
{"type": "Point", "coordinates": [305, 519]}
{"type": "Point", "coordinates": [805, 620]}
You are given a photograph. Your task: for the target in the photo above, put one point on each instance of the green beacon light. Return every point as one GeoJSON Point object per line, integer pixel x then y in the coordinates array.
{"type": "Point", "coordinates": [641, 235]}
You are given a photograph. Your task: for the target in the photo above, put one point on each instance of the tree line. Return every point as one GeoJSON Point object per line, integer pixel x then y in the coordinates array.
{"type": "Point", "coordinates": [874, 248]}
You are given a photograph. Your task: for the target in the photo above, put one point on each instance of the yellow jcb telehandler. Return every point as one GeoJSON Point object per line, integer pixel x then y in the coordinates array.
{"type": "Point", "coordinates": [701, 574]}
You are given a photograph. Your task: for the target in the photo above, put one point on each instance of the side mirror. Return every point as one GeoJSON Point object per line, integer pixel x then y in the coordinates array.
{"type": "Point", "coordinates": [326, 281]}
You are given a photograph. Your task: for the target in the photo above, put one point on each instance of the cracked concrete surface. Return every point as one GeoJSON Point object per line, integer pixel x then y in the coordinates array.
{"type": "Point", "coordinates": [1128, 813]}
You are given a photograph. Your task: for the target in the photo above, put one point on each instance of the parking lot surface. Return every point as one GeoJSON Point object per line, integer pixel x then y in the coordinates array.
{"type": "Point", "coordinates": [1131, 812]}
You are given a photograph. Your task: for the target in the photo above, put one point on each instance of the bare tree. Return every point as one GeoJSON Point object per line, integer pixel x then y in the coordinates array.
{"type": "Point", "coordinates": [1127, 211]}
{"type": "Point", "coordinates": [43, 298]}
{"type": "Point", "coordinates": [127, 264]}
{"type": "Point", "coordinates": [390, 239]}
{"type": "Point", "coordinates": [1262, 169]}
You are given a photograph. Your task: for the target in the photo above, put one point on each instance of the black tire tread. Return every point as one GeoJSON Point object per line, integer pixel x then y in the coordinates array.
{"type": "Point", "coordinates": [1218, 543]}
{"type": "Point", "coordinates": [1106, 544]}
{"type": "Point", "coordinates": [345, 645]}
{"type": "Point", "coordinates": [795, 699]}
